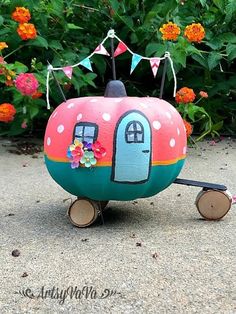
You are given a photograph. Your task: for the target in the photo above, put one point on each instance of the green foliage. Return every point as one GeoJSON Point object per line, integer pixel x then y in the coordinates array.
{"type": "Point", "coordinates": [69, 30]}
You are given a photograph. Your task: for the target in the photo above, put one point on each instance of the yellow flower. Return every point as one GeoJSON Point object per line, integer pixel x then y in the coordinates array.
{"type": "Point", "coordinates": [170, 31]}
{"type": "Point", "coordinates": [3, 45]}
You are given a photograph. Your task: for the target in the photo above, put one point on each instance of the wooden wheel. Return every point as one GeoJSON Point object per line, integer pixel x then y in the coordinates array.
{"type": "Point", "coordinates": [103, 204]}
{"type": "Point", "coordinates": [83, 212]}
{"type": "Point", "coordinates": [213, 205]}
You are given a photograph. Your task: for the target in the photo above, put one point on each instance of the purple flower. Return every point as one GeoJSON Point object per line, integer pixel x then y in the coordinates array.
{"type": "Point", "coordinates": [87, 146]}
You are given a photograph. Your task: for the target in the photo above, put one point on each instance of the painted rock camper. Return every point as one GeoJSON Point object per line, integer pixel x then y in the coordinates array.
{"type": "Point", "coordinates": [115, 147]}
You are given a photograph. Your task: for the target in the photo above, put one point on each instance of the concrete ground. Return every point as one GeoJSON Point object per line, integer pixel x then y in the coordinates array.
{"type": "Point", "coordinates": [153, 255]}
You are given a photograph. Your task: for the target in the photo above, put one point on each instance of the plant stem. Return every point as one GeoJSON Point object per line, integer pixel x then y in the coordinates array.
{"type": "Point", "coordinates": [14, 51]}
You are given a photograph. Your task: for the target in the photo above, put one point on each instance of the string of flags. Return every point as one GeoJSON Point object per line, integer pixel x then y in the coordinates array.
{"type": "Point", "coordinates": [120, 49]}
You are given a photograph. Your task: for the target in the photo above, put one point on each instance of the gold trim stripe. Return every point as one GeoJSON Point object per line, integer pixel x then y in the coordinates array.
{"type": "Point", "coordinates": [109, 163]}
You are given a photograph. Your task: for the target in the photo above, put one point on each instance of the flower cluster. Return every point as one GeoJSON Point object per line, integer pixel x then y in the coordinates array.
{"type": "Point", "coordinates": [170, 31]}
{"type": "Point", "coordinates": [188, 128]}
{"type": "Point", "coordinates": [25, 30]}
{"type": "Point", "coordinates": [184, 98]}
{"type": "Point", "coordinates": [3, 45]}
{"type": "Point", "coordinates": [194, 32]}
{"type": "Point", "coordinates": [26, 83]}
{"type": "Point", "coordinates": [21, 15]}
{"type": "Point", "coordinates": [185, 95]}
{"type": "Point", "coordinates": [85, 153]}
{"type": "Point", "coordinates": [7, 112]}
{"type": "Point", "coordinates": [9, 74]}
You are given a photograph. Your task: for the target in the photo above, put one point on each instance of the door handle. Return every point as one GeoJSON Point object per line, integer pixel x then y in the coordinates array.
{"type": "Point", "coordinates": [146, 151]}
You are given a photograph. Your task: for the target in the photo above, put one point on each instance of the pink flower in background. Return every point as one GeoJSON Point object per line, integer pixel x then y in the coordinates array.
{"type": "Point", "coordinates": [24, 125]}
{"type": "Point", "coordinates": [26, 83]}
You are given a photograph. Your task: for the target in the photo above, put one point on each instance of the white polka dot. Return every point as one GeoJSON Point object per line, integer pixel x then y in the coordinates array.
{"type": "Point", "coordinates": [60, 128]}
{"type": "Point", "coordinates": [79, 117]}
{"type": "Point", "coordinates": [106, 117]}
{"type": "Point", "coordinates": [184, 150]}
{"type": "Point", "coordinates": [55, 113]}
{"type": "Point", "coordinates": [48, 141]}
{"type": "Point", "coordinates": [172, 142]}
{"type": "Point", "coordinates": [71, 105]}
{"type": "Point", "coordinates": [168, 115]}
{"type": "Point", "coordinates": [118, 99]}
{"type": "Point", "coordinates": [156, 125]}
{"type": "Point", "coordinates": [178, 131]}
{"type": "Point", "coordinates": [93, 100]}
{"type": "Point", "coordinates": [143, 105]}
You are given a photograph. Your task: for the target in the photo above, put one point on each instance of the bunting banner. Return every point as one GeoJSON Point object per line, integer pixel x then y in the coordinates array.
{"type": "Point", "coordinates": [86, 63]}
{"type": "Point", "coordinates": [68, 71]}
{"type": "Point", "coordinates": [155, 62]}
{"type": "Point", "coordinates": [135, 60]}
{"type": "Point", "coordinates": [101, 50]}
{"type": "Point", "coordinates": [121, 48]}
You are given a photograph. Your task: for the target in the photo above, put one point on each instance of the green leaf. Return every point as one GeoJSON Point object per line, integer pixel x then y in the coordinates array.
{"type": "Point", "coordinates": [156, 49]}
{"type": "Point", "coordinates": [201, 60]}
{"type": "Point", "coordinates": [230, 10]}
{"type": "Point", "coordinates": [73, 26]}
{"type": "Point", "coordinates": [227, 37]}
{"type": "Point", "coordinates": [220, 4]}
{"type": "Point", "coordinates": [213, 59]}
{"type": "Point", "coordinates": [217, 126]}
{"type": "Point", "coordinates": [193, 110]}
{"type": "Point", "coordinates": [55, 44]}
{"type": "Point", "coordinates": [114, 4]}
{"type": "Point", "coordinates": [1, 20]}
{"type": "Point", "coordinates": [203, 2]}
{"type": "Point", "coordinates": [20, 67]}
{"type": "Point", "coordinates": [33, 111]}
{"type": "Point", "coordinates": [39, 42]}
{"type": "Point", "coordinates": [180, 57]}
{"type": "Point", "coordinates": [231, 51]}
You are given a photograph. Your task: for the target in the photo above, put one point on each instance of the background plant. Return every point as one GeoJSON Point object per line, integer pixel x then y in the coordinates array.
{"type": "Point", "coordinates": [67, 31]}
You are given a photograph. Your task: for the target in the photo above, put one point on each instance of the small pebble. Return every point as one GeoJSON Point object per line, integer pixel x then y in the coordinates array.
{"type": "Point", "coordinates": [15, 253]}
{"type": "Point", "coordinates": [138, 244]}
{"type": "Point", "coordinates": [24, 275]}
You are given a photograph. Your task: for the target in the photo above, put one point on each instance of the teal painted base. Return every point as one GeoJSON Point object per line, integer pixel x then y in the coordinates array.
{"type": "Point", "coordinates": [95, 183]}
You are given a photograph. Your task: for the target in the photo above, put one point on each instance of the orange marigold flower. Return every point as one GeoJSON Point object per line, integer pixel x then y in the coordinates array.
{"type": "Point", "coordinates": [188, 128]}
{"type": "Point", "coordinates": [194, 32]}
{"type": "Point", "coordinates": [36, 94]}
{"type": "Point", "coordinates": [7, 112]}
{"type": "Point", "coordinates": [21, 15]}
{"type": "Point", "coordinates": [203, 94]}
{"type": "Point", "coordinates": [3, 45]}
{"type": "Point", "coordinates": [170, 31]}
{"type": "Point", "coordinates": [27, 31]}
{"type": "Point", "coordinates": [185, 95]}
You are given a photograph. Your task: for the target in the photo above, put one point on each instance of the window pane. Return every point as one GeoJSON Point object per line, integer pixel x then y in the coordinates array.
{"type": "Point", "coordinates": [139, 137]}
{"type": "Point", "coordinates": [78, 131]}
{"type": "Point", "coordinates": [138, 127]}
{"type": "Point", "coordinates": [131, 127]}
{"type": "Point", "coordinates": [88, 139]}
{"type": "Point", "coordinates": [79, 138]}
{"type": "Point", "coordinates": [130, 137]}
{"type": "Point", "coordinates": [89, 131]}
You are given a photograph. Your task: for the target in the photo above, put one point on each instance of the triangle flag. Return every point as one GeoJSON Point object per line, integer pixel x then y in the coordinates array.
{"type": "Point", "coordinates": [135, 60]}
{"type": "Point", "coordinates": [121, 48]}
{"type": "Point", "coordinates": [101, 50]}
{"type": "Point", "coordinates": [155, 62]}
{"type": "Point", "coordinates": [68, 71]}
{"type": "Point", "coordinates": [86, 63]}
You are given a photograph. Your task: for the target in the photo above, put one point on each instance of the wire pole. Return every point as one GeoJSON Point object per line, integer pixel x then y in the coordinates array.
{"type": "Point", "coordinates": [113, 59]}
{"type": "Point", "coordinates": [58, 85]}
{"type": "Point", "coordinates": [163, 78]}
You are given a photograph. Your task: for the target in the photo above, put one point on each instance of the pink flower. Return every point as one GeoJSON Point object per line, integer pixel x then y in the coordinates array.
{"type": "Point", "coordinates": [27, 83]}
{"type": "Point", "coordinates": [98, 150]}
{"type": "Point", "coordinates": [24, 125]}
{"type": "Point", "coordinates": [77, 154]}
{"type": "Point", "coordinates": [203, 94]}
